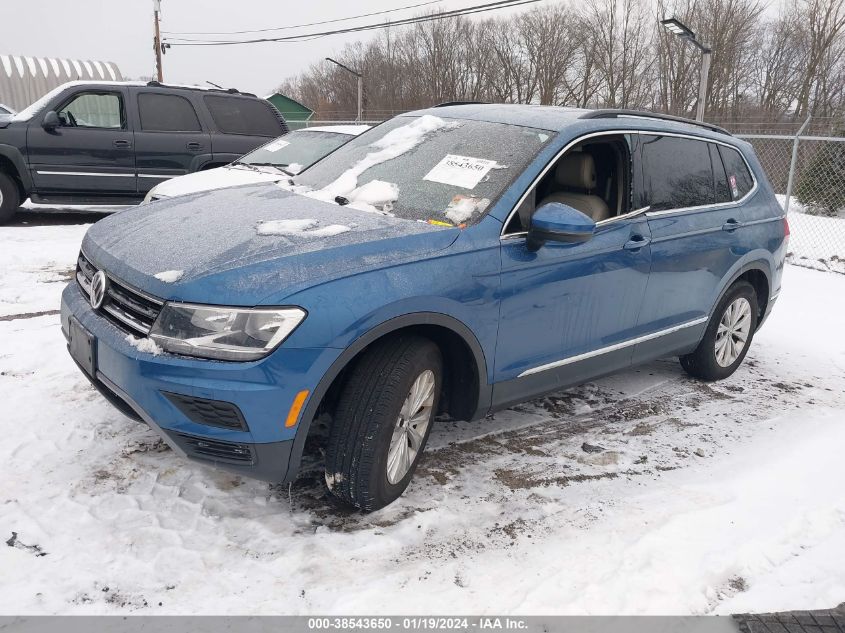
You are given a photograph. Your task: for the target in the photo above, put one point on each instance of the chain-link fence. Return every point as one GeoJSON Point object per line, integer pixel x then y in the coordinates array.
{"type": "Point", "coordinates": [810, 168]}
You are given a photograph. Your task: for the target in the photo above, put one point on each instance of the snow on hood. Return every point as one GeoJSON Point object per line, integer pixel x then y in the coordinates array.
{"type": "Point", "coordinates": [215, 179]}
{"type": "Point", "coordinates": [213, 238]}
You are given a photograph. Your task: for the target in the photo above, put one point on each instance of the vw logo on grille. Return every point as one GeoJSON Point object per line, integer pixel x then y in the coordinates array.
{"type": "Point", "coordinates": [99, 284]}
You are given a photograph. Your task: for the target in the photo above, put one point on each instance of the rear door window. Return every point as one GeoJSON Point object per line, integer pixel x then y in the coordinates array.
{"type": "Point", "coordinates": [676, 173]}
{"type": "Point", "coordinates": [740, 181]}
{"type": "Point", "coordinates": [251, 117]}
{"type": "Point", "coordinates": [167, 113]}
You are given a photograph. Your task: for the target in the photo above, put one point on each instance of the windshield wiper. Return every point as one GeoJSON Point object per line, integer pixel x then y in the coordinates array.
{"type": "Point", "coordinates": [238, 163]}
{"type": "Point", "coordinates": [280, 168]}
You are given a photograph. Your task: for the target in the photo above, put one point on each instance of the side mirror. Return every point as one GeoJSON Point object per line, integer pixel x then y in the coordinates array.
{"type": "Point", "coordinates": [556, 222]}
{"type": "Point", "coordinates": [51, 121]}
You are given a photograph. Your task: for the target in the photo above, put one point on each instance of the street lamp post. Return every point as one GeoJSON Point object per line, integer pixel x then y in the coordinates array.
{"type": "Point", "coordinates": [676, 27]}
{"type": "Point", "coordinates": [360, 78]}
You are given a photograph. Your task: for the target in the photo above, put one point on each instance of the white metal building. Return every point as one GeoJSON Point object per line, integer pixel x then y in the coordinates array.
{"type": "Point", "coordinates": [25, 79]}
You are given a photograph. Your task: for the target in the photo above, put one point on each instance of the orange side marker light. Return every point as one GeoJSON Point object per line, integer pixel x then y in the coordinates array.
{"type": "Point", "coordinates": [298, 401]}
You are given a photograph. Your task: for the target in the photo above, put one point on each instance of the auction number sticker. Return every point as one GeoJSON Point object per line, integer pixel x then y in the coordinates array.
{"type": "Point", "coordinates": [275, 146]}
{"type": "Point", "coordinates": [460, 171]}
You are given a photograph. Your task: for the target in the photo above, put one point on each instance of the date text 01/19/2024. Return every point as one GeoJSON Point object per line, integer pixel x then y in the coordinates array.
{"type": "Point", "coordinates": [430, 623]}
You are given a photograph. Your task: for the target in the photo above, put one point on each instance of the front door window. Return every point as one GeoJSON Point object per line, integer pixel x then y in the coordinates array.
{"type": "Point", "coordinates": [93, 110]}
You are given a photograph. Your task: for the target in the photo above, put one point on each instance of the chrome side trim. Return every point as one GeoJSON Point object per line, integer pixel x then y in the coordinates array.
{"type": "Point", "coordinates": [84, 173]}
{"type": "Point", "coordinates": [649, 214]}
{"type": "Point", "coordinates": [612, 348]}
{"type": "Point", "coordinates": [159, 175]}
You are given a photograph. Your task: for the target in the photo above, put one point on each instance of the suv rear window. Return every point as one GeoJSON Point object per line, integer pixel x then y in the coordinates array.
{"type": "Point", "coordinates": [740, 181]}
{"type": "Point", "coordinates": [167, 113]}
{"type": "Point", "coordinates": [676, 173]}
{"type": "Point", "coordinates": [252, 117]}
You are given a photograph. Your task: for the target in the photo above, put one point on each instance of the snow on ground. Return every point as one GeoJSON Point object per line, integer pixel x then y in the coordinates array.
{"type": "Point", "coordinates": [706, 498]}
{"type": "Point", "coordinates": [36, 262]}
{"type": "Point", "coordinates": [815, 241]}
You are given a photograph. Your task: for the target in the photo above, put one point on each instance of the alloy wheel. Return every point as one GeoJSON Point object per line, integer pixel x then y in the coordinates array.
{"type": "Point", "coordinates": [732, 334]}
{"type": "Point", "coordinates": [411, 426]}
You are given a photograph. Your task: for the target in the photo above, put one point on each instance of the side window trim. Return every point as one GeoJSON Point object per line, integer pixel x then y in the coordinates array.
{"type": "Point", "coordinates": [124, 123]}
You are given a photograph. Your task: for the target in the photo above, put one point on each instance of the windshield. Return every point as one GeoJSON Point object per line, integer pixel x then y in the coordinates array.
{"type": "Point", "coordinates": [296, 151]}
{"type": "Point", "coordinates": [425, 168]}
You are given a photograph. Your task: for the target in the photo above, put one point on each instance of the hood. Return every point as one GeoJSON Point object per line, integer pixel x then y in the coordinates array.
{"type": "Point", "coordinates": [250, 245]}
{"type": "Point", "coordinates": [5, 120]}
{"type": "Point", "coordinates": [215, 179]}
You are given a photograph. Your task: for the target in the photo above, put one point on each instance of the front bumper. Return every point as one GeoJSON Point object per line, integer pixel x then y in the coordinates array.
{"type": "Point", "coordinates": [227, 414]}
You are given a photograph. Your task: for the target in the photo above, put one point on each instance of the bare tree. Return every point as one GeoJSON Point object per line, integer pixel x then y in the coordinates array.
{"type": "Point", "coordinates": [598, 53]}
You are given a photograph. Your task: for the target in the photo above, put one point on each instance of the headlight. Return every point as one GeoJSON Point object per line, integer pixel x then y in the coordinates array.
{"type": "Point", "coordinates": [223, 333]}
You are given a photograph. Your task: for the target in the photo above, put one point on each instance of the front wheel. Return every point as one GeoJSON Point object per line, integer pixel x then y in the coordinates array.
{"type": "Point", "coordinates": [382, 421]}
{"type": "Point", "coordinates": [727, 337]}
{"type": "Point", "coordinates": [9, 198]}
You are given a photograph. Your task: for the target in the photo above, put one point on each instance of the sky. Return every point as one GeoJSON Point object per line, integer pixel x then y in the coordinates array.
{"type": "Point", "coordinates": [121, 31]}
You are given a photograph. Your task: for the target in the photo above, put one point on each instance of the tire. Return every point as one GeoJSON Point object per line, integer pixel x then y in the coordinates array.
{"type": "Point", "coordinates": [369, 415]}
{"type": "Point", "coordinates": [9, 198]}
{"type": "Point", "coordinates": [708, 362]}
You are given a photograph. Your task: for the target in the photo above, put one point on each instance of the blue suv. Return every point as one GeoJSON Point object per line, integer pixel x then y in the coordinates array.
{"type": "Point", "coordinates": [450, 262]}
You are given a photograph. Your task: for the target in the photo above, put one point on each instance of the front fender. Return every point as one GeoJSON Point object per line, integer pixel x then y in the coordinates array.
{"type": "Point", "coordinates": [14, 155]}
{"type": "Point", "coordinates": [382, 329]}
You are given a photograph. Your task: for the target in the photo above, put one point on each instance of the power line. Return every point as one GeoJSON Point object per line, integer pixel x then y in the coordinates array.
{"type": "Point", "coordinates": [297, 26]}
{"type": "Point", "coordinates": [481, 8]}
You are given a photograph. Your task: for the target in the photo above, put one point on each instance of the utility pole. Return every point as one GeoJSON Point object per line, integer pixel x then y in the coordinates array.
{"type": "Point", "coordinates": [360, 83]}
{"type": "Point", "coordinates": [157, 40]}
{"type": "Point", "coordinates": [706, 53]}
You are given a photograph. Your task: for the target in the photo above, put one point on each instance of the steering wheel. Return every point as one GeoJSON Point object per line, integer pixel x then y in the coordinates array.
{"type": "Point", "coordinates": [71, 120]}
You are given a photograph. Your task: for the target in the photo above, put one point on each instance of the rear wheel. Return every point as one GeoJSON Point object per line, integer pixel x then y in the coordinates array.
{"type": "Point", "coordinates": [382, 421]}
{"type": "Point", "coordinates": [9, 198]}
{"type": "Point", "coordinates": [727, 337]}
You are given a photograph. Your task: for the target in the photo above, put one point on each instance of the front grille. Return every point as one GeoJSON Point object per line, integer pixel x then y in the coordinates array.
{"type": "Point", "coordinates": [215, 450]}
{"type": "Point", "coordinates": [209, 412]}
{"type": "Point", "coordinates": [129, 309]}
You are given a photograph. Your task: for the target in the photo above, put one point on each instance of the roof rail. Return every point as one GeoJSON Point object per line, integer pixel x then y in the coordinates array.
{"type": "Point", "coordinates": [231, 91]}
{"type": "Point", "coordinates": [641, 114]}
{"type": "Point", "coordinates": [457, 103]}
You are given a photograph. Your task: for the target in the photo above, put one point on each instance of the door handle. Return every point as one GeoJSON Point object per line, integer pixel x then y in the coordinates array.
{"type": "Point", "coordinates": [122, 144]}
{"type": "Point", "coordinates": [194, 146]}
{"type": "Point", "coordinates": [636, 242]}
{"type": "Point", "coordinates": [731, 225]}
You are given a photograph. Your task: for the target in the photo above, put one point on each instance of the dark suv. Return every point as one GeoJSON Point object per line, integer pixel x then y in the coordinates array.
{"type": "Point", "coordinates": [110, 143]}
